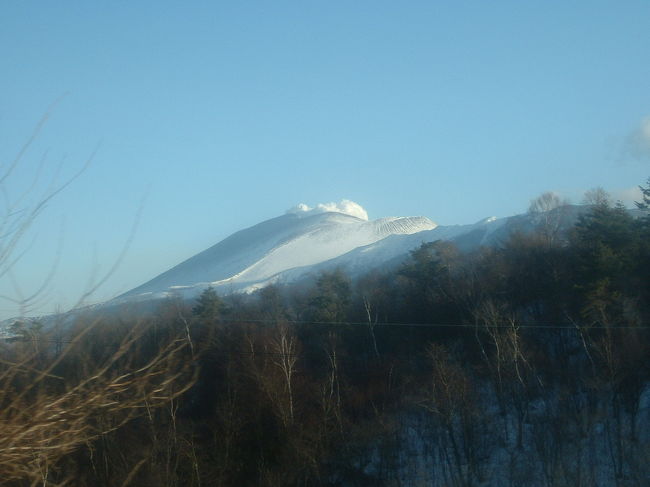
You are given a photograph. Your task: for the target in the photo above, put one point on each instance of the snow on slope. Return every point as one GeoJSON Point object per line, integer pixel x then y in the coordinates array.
{"type": "Point", "coordinates": [395, 247]}
{"type": "Point", "coordinates": [302, 238]}
{"type": "Point", "coordinates": [307, 240]}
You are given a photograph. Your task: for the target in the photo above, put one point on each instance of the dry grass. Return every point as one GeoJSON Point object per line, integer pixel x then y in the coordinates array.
{"type": "Point", "coordinates": [46, 415]}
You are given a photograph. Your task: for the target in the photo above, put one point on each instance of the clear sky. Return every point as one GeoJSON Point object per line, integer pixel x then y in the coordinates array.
{"type": "Point", "coordinates": [209, 117]}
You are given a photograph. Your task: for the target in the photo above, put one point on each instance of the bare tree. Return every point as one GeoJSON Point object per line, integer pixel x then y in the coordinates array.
{"type": "Point", "coordinates": [272, 362]}
{"type": "Point", "coordinates": [20, 207]}
{"type": "Point", "coordinates": [499, 337]}
{"type": "Point", "coordinates": [451, 399]}
{"type": "Point", "coordinates": [45, 416]}
{"type": "Point", "coordinates": [53, 401]}
{"type": "Point", "coordinates": [548, 211]}
{"type": "Point", "coordinates": [284, 356]}
{"type": "Point", "coordinates": [372, 322]}
{"type": "Point", "coordinates": [597, 197]}
{"type": "Point", "coordinates": [331, 387]}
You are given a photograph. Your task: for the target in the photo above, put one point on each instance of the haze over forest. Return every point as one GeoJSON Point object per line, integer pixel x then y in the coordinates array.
{"type": "Point", "coordinates": [203, 119]}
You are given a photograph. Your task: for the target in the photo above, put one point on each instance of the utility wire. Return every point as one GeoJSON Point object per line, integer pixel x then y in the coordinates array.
{"type": "Point", "coordinates": [498, 326]}
{"type": "Point", "coordinates": [503, 325]}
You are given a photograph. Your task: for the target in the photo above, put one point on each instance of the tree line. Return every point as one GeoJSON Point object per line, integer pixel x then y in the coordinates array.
{"type": "Point", "coordinates": [523, 363]}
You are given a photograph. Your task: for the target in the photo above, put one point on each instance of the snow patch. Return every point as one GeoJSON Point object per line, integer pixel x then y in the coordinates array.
{"type": "Point", "coordinates": [347, 207]}
{"type": "Point", "coordinates": [489, 219]}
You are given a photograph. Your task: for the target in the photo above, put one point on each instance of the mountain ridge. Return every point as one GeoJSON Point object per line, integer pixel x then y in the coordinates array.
{"type": "Point", "coordinates": [263, 252]}
{"type": "Point", "coordinates": [305, 241]}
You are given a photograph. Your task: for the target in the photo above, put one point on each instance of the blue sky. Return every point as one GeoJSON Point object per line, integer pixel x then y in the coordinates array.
{"type": "Point", "coordinates": [213, 116]}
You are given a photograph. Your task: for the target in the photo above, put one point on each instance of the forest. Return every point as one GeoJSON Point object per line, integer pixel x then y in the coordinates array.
{"type": "Point", "coordinates": [519, 364]}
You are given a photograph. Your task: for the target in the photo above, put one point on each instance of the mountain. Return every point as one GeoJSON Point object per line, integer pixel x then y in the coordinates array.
{"type": "Point", "coordinates": [264, 253]}
{"type": "Point", "coordinates": [305, 241]}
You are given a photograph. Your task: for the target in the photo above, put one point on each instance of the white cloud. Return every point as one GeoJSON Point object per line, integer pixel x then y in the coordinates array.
{"type": "Point", "coordinates": [627, 196]}
{"type": "Point", "coordinates": [346, 207]}
{"type": "Point", "coordinates": [638, 142]}
{"type": "Point", "coordinates": [645, 129]}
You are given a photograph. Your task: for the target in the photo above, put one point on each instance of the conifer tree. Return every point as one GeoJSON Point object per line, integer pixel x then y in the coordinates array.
{"type": "Point", "coordinates": [645, 204]}
{"type": "Point", "coordinates": [330, 300]}
{"type": "Point", "coordinates": [209, 305]}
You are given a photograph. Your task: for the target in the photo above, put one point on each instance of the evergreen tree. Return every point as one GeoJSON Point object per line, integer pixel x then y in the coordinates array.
{"type": "Point", "coordinates": [331, 298]}
{"type": "Point", "coordinates": [272, 304]}
{"type": "Point", "coordinates": [209, 306]}
{"type": "Point", "coordinates": [606, 242]}
{"type": "Point", "coordinates": [645, 204]}
{"type": "Point", "coordinates": [427, 282]}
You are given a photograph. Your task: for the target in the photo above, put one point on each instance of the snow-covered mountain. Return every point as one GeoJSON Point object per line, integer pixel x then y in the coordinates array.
{"type": "Point", "coordinates": [292, 243]}
{"type": "Point", "coordinates": [307, 240]}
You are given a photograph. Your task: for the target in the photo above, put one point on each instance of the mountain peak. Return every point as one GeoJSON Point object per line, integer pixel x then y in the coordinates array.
{"type": "Point", "coordinates": [347, 207]}
{"type": "Point", "coordinates": [300, 239]}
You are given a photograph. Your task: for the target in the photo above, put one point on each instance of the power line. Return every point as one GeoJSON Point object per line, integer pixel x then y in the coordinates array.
{"type": "Point", "coordinates": [501, 325]}
{"type": "Point", "coordinates": [478, 327]}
